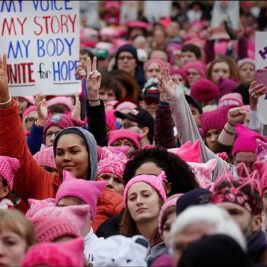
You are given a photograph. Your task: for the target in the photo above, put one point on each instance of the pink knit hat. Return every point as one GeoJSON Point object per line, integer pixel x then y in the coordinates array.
{"type": "Point", "coordinates": [197, 65]}
{"type": "Point", "coordinates": [78, 215]}
{"type": "Point", "coordinates": [49, 228]}
{"type": "Point", "coordinates": [204, 90]}
{"type": "Point", "coordinates": [87, 191]}
{"type": "Point", "coordinates": [227, 86]}
{"type": "Point", "coordinates": [28, 110]}
{"type": "Point", "coordinates": [45, 157]}
{"type": "Point", "coordinates": [63, 121]}
{"type": "Point", "coordinates": [246, 140]}
{"type": "Point", "coordinates": [125, 106]}
{"type": "Point", "coordinates": [36, 205]}
{"type": "Point", "coordinates": [115, 135]}
{"type": "Point", "coordinates": [215, 119]}
{"type": "Point", "coordinates": [64, 254]}
{"type": "Point", "coordinates": [188, 151]}
{"type": "Point", "coordinates": [203, 173]}
{"type": "Point", "coordinates": [231, 99]}
{"type": "Point", "coordinates": [8, 167]}
{"type": "Point", "coordinates": [160, 62]}
{"type": "Point", "coordinates": [111, 162]}
{"type": "Point", "coordinates": [155, 181]}
{"type": "Point", "coordinates": [111, 119]}
{"type": "Point", "coordinates": [60, 100]}
{"type": "Point", "coordinates": [261, 168]}
{"type": "Point", "coordinates": [170, 202]}
{"type": "Point", "coordinates": [245, 61]}
{"type": "Point", "coordinates": [182, 72]}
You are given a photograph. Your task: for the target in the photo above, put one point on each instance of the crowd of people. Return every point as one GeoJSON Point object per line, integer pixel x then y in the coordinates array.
{"type": "Point", "coordinates": [160, 161]}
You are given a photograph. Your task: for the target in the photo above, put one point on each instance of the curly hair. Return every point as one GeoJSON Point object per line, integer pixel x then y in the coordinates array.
{"type": "Point", "coordinates": [178, 173]}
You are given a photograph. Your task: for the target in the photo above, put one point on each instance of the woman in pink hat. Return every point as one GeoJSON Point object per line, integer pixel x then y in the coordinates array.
{"type": "Point", "coordinates": [194, 70]}
{"type": "Point", "coordinates": [8, 168]}
{"type": "Point", "coordinates": [143, 197]}
{"type": "Point", "coordinates": [29, 116]}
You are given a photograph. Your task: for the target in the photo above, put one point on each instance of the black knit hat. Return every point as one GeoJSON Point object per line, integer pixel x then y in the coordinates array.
{"type": "Point", "coordinates": [127, 48]}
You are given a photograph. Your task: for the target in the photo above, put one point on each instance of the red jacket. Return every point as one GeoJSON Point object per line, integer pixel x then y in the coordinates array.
{"type": "Point", "coordinates": [109, 205]}
{"type": "Point", "coordinates": [31, 180]}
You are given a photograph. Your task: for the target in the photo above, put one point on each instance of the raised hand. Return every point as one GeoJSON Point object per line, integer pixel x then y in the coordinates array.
{"type": "Point", "coordinates": [80, 72]}
{"type": "Point", "coordinates": [236, 115]}
{"type": "Point", "coordinates": [93, 80]}
{"type": "Point", "coordinates": [167, 85]}
{"type": "Point", "coordinates": [76, 112]}
{"type": "Point", "coordinates": [255, 91]}
{"type": "Point", "coordinates": [42, 109]}
{"type": "Point", "coordinates": [4, 94]}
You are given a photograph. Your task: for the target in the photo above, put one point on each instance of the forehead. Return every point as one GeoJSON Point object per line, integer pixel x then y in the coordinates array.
{"type": "Point", "coordinates": [153, 65]}
{"type": "Point", "coordinates": [69, 140]}
{"type": "Point", "coordinates": [148, 168]}
{"type": "Point", "coordinates": [221, 65]}
{"type": "Point", "coordinates": [231, 206]}
{"type": "Point", "coordinates": [125, 53]}
{"type": "Point", "coordinates": [140, 186]}
{"type": "Point", "coordinates": [54, 128]}
{"type": "Point", "coordinates": [247, 65]}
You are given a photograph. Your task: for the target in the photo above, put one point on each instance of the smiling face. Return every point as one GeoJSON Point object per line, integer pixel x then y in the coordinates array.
{"type": "Point", "coordinates": [12, 248]}
{"type": "Point", "coordinates": [143, 202]}
{"type": "Point", "coordinates": [72, 155]}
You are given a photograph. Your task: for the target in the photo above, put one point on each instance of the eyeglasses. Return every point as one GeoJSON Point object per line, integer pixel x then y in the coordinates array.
{"type": "Point", "coordinates": [121, 58]}
{"type": "Point", "coordinates": [128, 125]}
{"type": "Point", "coordinates": [31, 119]}
{"type": "Point", "coordinates": [192, 73]}
{"type": "Point", "coordinates": [51, 133]}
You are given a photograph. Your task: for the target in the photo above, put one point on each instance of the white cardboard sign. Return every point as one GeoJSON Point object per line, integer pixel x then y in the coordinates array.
{"type": "Point", "coordinates": [41, 41]}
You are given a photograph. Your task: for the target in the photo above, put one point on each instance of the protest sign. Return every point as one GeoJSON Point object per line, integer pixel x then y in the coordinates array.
{"type": "Point", "coordinates": [41, 41]}
{"type": "Point", "coordinates": [261, 63]}
{"type": "Point", "coordinates": [224, 12]}
{"type": "Point", "coordinates": [154, 10]}
{"type": "Point", "coordinates": [129, 11]}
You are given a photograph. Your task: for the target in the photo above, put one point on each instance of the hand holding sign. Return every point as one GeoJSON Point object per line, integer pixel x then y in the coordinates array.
{"type": "Point", "coordinates": [255, 91]}
{"type": "Point", "coordinates": [93, 80]}
{"type": "Point", "coordinates": [5, 100]}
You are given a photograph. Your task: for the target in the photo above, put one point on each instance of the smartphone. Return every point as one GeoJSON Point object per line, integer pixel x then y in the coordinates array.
{"type": "Point", "coordinates": [261, 77]}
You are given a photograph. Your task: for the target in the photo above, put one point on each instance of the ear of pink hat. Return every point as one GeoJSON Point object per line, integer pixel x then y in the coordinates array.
{"type": "Point", "coordinates": [155, 181]}
{"type": "Point", "coordinates": [111, 162]}
{"type": "Point", "coordinates": [36, 205]}
{"type": "Point", "coordinates": [203, 173]}
{"type": "Point", "coordinates": [246, 140]}
{"type": "Point", "coordinates": [188, 151]}
{"type": "Point", "coordinates": [116, 135]}
{"type": "Point", "coordinates": [8, 167]}
{"type": "Point", "coordinates": [87, 191]}
{"type": "Point", "coordinates": [111, 119]}
{"type": "Point", "coordinates": [45, 157]}
{"type": "Point", "coordinates": [64, 254]}
{"type": "Point", "coordinates": [79, 215]}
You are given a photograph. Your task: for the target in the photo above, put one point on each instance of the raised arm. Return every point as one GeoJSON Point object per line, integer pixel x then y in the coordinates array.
{"type": "Point", "coordinates": [184, 120]}
{"type": "Point", "coordinates": [95, 107]}
{"type": "Point", "coordinates": [31, 181]}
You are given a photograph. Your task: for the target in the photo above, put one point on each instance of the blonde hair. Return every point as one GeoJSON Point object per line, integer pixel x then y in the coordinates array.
{"type": "Point", "coordinates": [16, 222]}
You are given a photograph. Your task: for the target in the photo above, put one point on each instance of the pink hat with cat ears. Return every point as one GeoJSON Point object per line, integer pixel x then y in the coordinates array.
{"type": "Point", "coordinates": [155, 181]}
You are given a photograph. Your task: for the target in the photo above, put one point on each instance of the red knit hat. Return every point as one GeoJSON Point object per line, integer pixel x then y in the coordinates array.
{"type": "Point", "coordinates": [204, 90]}
{"type": "Point", "coordinates": [49, 228]}
{"type": "Point", "coordinates": [64, 254]}
{"type": "Point", "coordinates": [215, 119]}
{"type": "Point", "coordinates": [246, 140]}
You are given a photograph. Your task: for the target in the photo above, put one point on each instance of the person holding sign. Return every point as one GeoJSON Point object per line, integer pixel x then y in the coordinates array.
{"type": "Point", "coordinates": [75, 149]}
